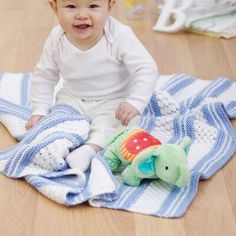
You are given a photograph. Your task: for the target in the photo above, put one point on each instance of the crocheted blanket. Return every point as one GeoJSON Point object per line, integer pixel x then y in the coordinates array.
{"type": "Point", "coordinates": [182, 105]}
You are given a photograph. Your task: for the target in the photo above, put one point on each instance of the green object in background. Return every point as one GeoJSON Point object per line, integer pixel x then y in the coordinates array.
{"type": "Point", "coordinates": [144, 157]}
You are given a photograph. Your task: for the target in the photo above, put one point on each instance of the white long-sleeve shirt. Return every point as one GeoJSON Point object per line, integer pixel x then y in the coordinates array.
{"type": "Point", "coordinates": [117, 66]}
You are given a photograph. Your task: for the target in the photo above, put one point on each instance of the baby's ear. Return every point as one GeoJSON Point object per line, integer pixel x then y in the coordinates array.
{"type": "Point", "coordinates": [111, 4]}
{"type": "Point", "coordinates": [53, 5]}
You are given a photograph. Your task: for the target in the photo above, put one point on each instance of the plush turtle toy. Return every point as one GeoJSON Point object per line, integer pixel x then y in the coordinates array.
{"type": "Point", "coordinates": [144, 156]}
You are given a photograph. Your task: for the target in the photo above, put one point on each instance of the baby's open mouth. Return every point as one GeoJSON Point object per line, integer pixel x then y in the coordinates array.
{"type": "Point", "coordinates": [82, 26]}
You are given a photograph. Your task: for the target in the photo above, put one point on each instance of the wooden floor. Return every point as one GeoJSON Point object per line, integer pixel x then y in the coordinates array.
{"type": "Point", "coordinates": [24, 26]}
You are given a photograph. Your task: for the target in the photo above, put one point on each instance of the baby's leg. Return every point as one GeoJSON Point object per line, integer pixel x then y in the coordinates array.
{"type": "Point", "coordinates": [103, 126]}
{"type": "Point", "coordinates": [81, 157]}
{"type": "Point", "coordinates": [99, 134]}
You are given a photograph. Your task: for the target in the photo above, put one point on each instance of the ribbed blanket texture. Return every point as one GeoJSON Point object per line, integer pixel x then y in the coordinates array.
{"type": "Point", "coordinates": [181, 106]}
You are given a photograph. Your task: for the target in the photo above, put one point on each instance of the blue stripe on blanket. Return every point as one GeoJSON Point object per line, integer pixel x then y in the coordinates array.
{"type": "Point", "coordinates": [183, 126]}
{"type": "Point", "coordinates": [214, 89]}
{"type": "Point", "coordinates": [67, 184]}
{"type": "Point", "coordinates": [231, 109]}
{"type": "Point", "coordinates": [59, 125]}
{"type": "Point", "coordinates": [178, 200]}
{"type": "Point", "coordinates": [150, 113]}
{"type": "Point", "coordinates": [177, 83]}
{"type": "Point", "coordinates": [14, 109]}
{"type": "Point", "coordinates": [203, 119]}
{"type": "Point", "coordinates": [225, 145]}
{"type": "Point", "coordinates": [25, 157]}
{"type": "Point", "coordinates": [128, 195]}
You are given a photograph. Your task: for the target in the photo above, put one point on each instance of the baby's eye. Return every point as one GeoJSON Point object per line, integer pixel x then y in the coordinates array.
{"type": "Point", "coordinates": [70, 6]}
{"type": "Point", "coordinates": [93, 6]}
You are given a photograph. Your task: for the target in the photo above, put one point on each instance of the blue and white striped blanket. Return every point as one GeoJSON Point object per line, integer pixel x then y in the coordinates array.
{"type": "Point", "coordinates": [182, 105]}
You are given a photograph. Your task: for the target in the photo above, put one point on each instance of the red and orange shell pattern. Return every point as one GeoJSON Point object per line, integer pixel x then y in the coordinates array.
{"type": "Point", "coordinates": [136, 142]}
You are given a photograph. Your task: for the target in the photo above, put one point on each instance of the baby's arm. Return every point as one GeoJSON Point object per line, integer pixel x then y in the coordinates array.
{"type": "Point", "coordinates": [33, 121]}
{"type": "Point", "coordinates": [126, 112]}
{"type": "Point", "coordinates": [44, 79]}
{"type": "Point", "coordinates": [141, 66]}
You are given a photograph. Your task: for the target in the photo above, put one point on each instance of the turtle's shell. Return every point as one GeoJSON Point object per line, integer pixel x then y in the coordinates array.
{"type": "Point", "coordinates": [136, 142]}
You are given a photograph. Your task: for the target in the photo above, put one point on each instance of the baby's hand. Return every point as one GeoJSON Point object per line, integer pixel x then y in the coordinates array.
{"type": "Point", "coordinates": [33, 121]}
{"type": "Point", "coordinates": [125, 113]}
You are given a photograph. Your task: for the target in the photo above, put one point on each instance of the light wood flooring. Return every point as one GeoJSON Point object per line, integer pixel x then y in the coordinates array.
{"type": "Point", "coordinates": [24, 25]}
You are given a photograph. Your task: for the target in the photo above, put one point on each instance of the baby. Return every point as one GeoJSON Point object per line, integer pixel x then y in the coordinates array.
{"type": "Point", "coordinates": [107, 73]}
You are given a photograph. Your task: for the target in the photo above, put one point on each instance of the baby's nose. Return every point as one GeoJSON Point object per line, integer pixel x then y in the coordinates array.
{"type": "Point", "coordinates": [81, 14]}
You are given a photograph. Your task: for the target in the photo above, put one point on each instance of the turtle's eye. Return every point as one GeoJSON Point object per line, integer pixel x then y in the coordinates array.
{"type": "Point", "coordinates": [166, 167]}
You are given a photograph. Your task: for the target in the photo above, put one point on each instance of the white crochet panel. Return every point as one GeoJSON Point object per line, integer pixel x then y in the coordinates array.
{"type": "Point", "coordinates": [166, 103]}
{"type": "Point", "coordinates": [52, 156]}
{"type": "Point", "coordinates": [15, 125]}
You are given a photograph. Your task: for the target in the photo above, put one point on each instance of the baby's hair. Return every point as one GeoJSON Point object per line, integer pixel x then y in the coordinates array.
{"type": "Point", "coordinates": [56, 0]}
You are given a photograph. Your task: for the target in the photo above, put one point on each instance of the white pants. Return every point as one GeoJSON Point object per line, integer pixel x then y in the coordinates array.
{"type": "Point", "coordinates": [103, 124]}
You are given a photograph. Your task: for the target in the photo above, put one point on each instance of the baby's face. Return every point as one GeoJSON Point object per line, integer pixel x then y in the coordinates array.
{"type": "Point", "coordinates": [82, 20]}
